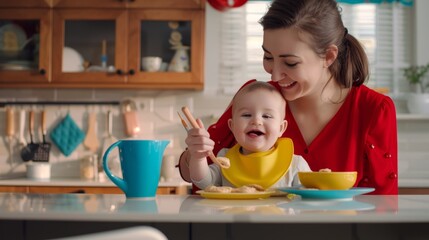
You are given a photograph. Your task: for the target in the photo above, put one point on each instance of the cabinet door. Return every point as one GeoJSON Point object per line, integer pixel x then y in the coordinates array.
{"type": "Point", "coordinates": [25, 3]}
{"type": "Point", "coordinates": [90, 3]}
{"type": "Point", "coordinates": [167, 4]}
{"type": "Point", "coordinates": [25, 46]}
{"type": "Point", "coordinates": [89, 47]}
{"type": "Point", "coordinates": [164, 4]}
{"type": "Point", "coordinates": [175, 36]}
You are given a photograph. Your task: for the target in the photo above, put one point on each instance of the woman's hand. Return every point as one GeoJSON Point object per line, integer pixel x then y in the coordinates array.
{"type": "Point", "coordinates": [199, 142]}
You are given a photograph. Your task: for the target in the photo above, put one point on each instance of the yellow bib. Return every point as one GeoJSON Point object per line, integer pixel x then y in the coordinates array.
{"type": "Point", "coordinates": [262, 168]}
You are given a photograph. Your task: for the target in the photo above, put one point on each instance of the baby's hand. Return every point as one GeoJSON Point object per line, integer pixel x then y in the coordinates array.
{"type": "Point", "coordinates": [199, 142]}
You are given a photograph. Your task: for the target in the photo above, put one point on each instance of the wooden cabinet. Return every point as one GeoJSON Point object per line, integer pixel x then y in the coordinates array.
{"type": "Point", "coordinates": [413, 191]}
{"type": "Point", "coordinates": [25, 3]}
{"type": "Point", "coordinates": [78, 33]}
{"type": "Point", "coordinates": [80, 17]}
{"type": "Point", "coordinates": [164, 4]}
{"type": "Point", "coordinates": [29, 31]}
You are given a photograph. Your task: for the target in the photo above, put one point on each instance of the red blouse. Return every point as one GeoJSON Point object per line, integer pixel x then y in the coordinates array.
{"type": "Point", "coordinates": [361, 137]}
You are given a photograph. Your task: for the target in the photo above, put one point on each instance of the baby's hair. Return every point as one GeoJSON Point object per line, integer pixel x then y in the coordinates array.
{"type": "Point", "coordinates": [255, 86]}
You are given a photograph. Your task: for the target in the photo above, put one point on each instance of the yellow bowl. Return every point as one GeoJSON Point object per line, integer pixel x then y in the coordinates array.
{"type": "Point", "coordinates": [328, 180]}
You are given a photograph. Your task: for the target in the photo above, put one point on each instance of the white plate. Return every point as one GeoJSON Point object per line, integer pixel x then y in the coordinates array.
{"type": "Point", "coordinates": [327, 194]}
{"type": "Point", "coordinates": [72, 60]}
{"type": "Point", "coordinates": [12, 38]}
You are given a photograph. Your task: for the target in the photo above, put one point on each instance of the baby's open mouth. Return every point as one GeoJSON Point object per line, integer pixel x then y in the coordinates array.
{"type": "Point", "coordinates": [255, 133]}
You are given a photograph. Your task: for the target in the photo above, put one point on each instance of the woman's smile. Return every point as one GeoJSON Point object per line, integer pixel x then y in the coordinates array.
{"type": "Point", "coordinates": [287, 85]}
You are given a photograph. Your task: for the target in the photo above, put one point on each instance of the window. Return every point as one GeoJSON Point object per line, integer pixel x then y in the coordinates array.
{"type": "Point", "coordinates": [383, 29]}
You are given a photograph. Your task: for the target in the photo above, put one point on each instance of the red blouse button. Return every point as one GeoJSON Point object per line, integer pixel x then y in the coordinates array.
{"type": "Point", "coordinates": [387, 155]}
{"type": "Point", "coordinates": [372, 146]}
{"type": "Point", "coordinates": [393, 175]}
{"type": "Point", "coordinates": [214, 126]}
{"type": "Point", "coordinates": [365, 180]}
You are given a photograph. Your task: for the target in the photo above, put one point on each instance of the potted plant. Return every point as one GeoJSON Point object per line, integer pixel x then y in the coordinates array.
{"type": "Point", "coordinates": [418, 101]}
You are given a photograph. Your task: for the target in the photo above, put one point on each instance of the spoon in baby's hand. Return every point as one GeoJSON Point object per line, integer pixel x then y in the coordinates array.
{"type": "Point", "coordinates": [223, 162]}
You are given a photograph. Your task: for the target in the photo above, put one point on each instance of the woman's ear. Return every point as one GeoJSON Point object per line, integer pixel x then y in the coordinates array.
{"type": "Point", "coordinates": [330, 55]}
{"type": "Point", "coordinates": [283, 127]}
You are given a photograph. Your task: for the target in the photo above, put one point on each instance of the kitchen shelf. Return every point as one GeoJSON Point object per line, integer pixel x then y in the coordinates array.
{"type": "Point", "coordinates": [408, 116]}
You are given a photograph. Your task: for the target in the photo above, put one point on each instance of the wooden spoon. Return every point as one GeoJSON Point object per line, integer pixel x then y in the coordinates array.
{"type": "Point", "coordinates": [223, 162]}
{"type": "Point", "coordinates": [91, 141]}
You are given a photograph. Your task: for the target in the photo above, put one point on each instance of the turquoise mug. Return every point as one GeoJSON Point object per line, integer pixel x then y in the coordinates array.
{"type": "Point", "coordinates": [140, 164]}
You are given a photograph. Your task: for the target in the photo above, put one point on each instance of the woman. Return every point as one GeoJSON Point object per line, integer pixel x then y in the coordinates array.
{"type": "Point", "coordinates": [334, 120]}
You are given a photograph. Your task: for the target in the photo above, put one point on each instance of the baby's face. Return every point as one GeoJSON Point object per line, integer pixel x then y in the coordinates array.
{"type": "Point", "coordinates": [258, 120]}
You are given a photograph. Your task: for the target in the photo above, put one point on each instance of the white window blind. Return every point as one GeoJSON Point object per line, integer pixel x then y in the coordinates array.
{"type": "Point", "coordinates": [383, 29]}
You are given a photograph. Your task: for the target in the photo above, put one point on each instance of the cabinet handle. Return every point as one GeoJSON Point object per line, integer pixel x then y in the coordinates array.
{"type": "Point", "coordinates": [119, 72]}
{"type": "Point", "coordinates": [42, 71]}
{"type": "Point", "coordinates": [131, 72]}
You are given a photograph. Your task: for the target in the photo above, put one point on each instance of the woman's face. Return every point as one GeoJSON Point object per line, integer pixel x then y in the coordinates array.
{"type": "Point", "coordinates": [293, 64]}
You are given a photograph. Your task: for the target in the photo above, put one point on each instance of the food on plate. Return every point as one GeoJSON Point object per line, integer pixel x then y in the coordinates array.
{"type": "Point", "coordinates": [325, 170]}
{"type": "Point", "coordinates": [249, 188]}
{"type": "Point", "coordinates": [220, 189]}
{"type": "Point", "coordinates": [244, 189]}
{"type": "Point", "coordinates": [256, 186]}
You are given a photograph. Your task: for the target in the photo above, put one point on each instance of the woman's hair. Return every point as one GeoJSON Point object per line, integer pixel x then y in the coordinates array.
{"type": "Point", "coordinates": [321, 19]}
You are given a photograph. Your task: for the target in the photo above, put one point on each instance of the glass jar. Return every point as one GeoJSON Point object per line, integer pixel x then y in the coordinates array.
{"type": "Point", "coordinates": [89, 167]}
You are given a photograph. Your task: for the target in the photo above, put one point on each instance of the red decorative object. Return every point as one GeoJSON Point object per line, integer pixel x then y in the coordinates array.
{"type": "Point", "coordinates": [223, 5]}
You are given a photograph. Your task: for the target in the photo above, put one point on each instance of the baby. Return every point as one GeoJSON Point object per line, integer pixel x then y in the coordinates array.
{"type": "Point", "coordinates": [260, 156]}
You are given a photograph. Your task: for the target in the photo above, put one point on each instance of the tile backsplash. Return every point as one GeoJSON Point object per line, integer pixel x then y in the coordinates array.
{"type": "Point", "coordinates": [157, 113]}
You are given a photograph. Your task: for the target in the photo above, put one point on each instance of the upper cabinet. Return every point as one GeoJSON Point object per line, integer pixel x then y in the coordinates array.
{"type": "Point", "coordinates": [160, 4]}
{"type": "Point", "coordinates": [26, 3]}
{"type": "Point", "coordinates": [107, 44]}
{"type": "Point", "coordinates": [25, 46]}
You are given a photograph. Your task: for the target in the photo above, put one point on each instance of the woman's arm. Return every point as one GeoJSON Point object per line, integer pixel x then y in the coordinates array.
{"type": "Point", "coordinates": [381, 148]}
{"type": "Point", "coordinates": [184, 166]}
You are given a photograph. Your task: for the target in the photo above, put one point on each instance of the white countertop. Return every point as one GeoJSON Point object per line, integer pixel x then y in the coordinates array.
{"type": "Point", "coordinates": [195, 209]}
{"type": "Point", "coordinates": [177, 182]}
{"type": "Point", "coordinates": [77, 182]}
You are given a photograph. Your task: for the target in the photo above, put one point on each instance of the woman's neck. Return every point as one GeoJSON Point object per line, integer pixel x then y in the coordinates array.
{"type": "Point", "coordinates": [313, 112]}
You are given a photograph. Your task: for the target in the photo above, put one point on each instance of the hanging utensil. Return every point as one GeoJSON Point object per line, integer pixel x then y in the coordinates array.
{"type": "Point", "coordinates": [10, 131]}
{"type": "Point", "coordinates": [22, 141]}
{"type": "Point", "coordinates": [91, 140]}
{"type": "Point", "coordinates": [27, 153]}
{"type": "Point", "coordinates": [108, 140]}
{"type": "Point", "coordinates": [43, 149]}
{"type": "Point", "coordinates": [223, 162]}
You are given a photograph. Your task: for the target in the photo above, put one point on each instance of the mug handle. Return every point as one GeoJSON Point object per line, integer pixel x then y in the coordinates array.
{"type": "Point", "coordinates": [116, 180]}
